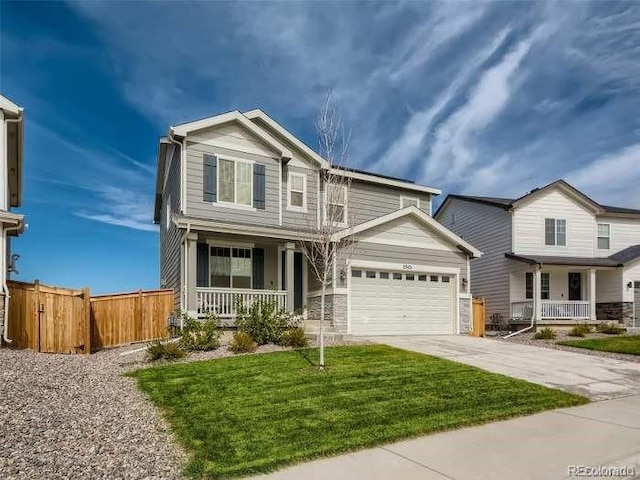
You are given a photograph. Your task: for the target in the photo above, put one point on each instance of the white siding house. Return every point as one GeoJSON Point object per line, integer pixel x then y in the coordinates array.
{"type": "Point", "coordinates": [553, 255]}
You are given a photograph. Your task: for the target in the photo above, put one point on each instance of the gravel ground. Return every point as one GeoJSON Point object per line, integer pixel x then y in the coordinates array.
{"type": "Point", "coordinates": [527, 339]}
{"type": "Point", "coordinates": [76, 416]}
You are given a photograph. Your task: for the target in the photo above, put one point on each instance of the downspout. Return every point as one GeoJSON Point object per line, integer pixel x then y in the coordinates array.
{"type": "Point", "coordinates": [5, 287]}
{"type": "Point", "coordinates": [185, 287]}
{"type": "Point", "coordinates": [533, 315]}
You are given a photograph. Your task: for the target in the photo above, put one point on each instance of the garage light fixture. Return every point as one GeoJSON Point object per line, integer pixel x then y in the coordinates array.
{"type": "Point", "coordinates": [465, 282]}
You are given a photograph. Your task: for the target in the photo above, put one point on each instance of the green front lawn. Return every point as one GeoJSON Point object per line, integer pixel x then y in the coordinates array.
{"type": "Point", "coordinates": [254, 413]}
{"type": "Point", "coordinates": [629, 344]}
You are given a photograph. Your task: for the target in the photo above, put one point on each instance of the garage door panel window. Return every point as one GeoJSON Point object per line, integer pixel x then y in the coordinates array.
{"type": "Point", "coordinates": [397, 276]}
{"type": "Point", "coordinates": [384, 275]}
{"type": "Point", "coordinates": [446, 279]}
{"type": "Point", "coordinates": [356, 273]}
{"type": "Point", "coordinates": [371, 274]}
{"type": "Point", "coordinates": [433, 278]}
{"type": "Point", "coordinates": [422, 278]}
{"type": "Point", "coordinates": [410, 276]}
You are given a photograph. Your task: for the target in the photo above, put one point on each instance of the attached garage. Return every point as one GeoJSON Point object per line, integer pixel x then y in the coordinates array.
{"type": "Point", "coordinates": [406, 275]}
{"type": "Point", "coordinates": [402, 303]}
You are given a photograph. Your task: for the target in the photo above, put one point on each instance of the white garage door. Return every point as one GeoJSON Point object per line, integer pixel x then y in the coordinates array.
{"type": "Point", "coordinates": [401, 303]}
{"type": "Point", "coordinates": [637, 304]}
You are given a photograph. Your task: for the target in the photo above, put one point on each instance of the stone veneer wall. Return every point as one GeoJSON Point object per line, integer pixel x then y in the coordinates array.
{"type": "Point", "coordinates": [618, 311]}
{"type": "Point", "coordinates": [335, 310]}
{"type": "Point", "coordinates": [465, 315]}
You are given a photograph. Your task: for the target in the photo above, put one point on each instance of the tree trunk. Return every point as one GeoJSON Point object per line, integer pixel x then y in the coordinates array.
{"type": "Point", "coordinates": [321, 330]}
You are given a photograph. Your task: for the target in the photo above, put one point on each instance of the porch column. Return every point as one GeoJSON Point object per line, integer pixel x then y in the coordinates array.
{"type": "Point", "coordinates": [289, 275]}
{"type": "Point", "coordinates": [592, 294]}
{"type": "Point", "coordinates": [192, 274]}
{"type": "Point", "coordinates": [537, 295]}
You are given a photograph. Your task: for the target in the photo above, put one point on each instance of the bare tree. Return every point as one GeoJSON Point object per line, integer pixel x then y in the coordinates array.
{"type": "Point", "coordinates": [324, 247]}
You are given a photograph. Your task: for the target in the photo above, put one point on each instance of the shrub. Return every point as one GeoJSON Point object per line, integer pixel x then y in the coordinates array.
{"type": "Point", "coordinates": [164, 351]}
{"type": "Point", "coordinates": [263, 320]}
{"type": "Point", "coordinates": [545, 334]}
{"type": "Point", "coordinates": [610, 328]}
{"type": "Point", "coordinates": [242, 343]}
{"type": "Point", "coordinates": [579, 330]}
{"type": "Point", "coordinates": [294, 337]}
{"type": "Point", "coordinates": [200, 335]}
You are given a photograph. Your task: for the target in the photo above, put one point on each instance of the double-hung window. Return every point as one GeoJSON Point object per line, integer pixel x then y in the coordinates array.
{"type": "Point", "coordinates": [230, 267]}
{"type": "Point", "coordinates": [235, 181]}
{"type": "Point", "coordinates": [604, 236]}
{"type": "Point", "coordinates": [555, 232]}
{"type": "Point", "coordinates": [297, 184]}
{"type": "Point", "coordinates": [336, 204]}
{"type": "Point", "coordinates": [545, 287]}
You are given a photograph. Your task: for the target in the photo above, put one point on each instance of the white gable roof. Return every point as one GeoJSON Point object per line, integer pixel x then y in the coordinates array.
{"type": "Point", "coordinates": [419, 215]}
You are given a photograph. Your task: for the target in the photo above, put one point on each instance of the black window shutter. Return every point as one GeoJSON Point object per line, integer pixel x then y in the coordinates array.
{"type": "Point", "coordinates": [258, 268]}
{"type": "Point", "coordinates": [258, 186]}
{"type": "Point", "coordinates": [209, 173]}
{"type": "Point", "coordinates": [202, 265]}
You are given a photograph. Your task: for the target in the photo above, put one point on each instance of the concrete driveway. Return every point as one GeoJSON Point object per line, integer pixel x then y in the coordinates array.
{"type": "Point", "coordinates": [595, 377]}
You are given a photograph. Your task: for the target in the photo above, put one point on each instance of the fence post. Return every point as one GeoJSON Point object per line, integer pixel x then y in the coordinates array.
{"type": "Point", "coordinates": [138, 317]}
{"type": "Point", "coordinates": [36, 312]}
{"type": "Point", "coordinates": [86, 297]}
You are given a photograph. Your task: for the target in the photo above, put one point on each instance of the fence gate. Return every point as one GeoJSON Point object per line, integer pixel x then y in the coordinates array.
{"type": "Point", "coordinates": [479, 320]}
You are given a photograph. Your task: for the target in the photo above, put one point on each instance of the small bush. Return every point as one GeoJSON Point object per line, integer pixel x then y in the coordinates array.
{"type": "Point", "coordinates": [200, 335]}
{"type": "Point", "coordinates": [545, 334]}
{"type": "Point", "coordinates": [263, 320]}
{"type": "Point", "coordinates": [242, 343]}
{"type": "Point", "coordinates": [164, 351]}
{"type": "Point", "coordinates": [579, 330]}
{"type": "Point", "coordinates": [610, 328]}
{"type": "Point", "coordinates": [294, 337]}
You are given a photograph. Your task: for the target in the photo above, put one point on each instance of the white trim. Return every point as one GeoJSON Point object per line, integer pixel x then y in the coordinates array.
{"type": "Point", "coordinates": [295, 208]}
{"type": "Point", "coordinates": [183, 177]}
{"type": "Point", "coordinates": [426, 219]}
{"type": "Point", "coordinates": [8, 106]}
{"type": "Point", "coordinates": [235, 161]}
{"type": "Point", "coordinates": [404, 243]}
{"type": "Point", "coordinates": [403, 198]}
{"type": "Point", "coordinates": [167, 213]}
{"type": "Point", "coordinates": [219, 243]}
{"type": "Point", "coordinates": [242, 229]}
{"type": "Point", "coordinates": [324, 209]}
{"type": "Point", "coordinates": [403, 267]}
{"type": "Point", "coordinates": [257, 113]}
{"type": "Point", "coordinates": [384, 181]}
{"type": "Point", "coordinates": [318, 213]}
{"type": "Point", "coordinates": [184, 129]}
{"type": "Point", "coordinates": [329, 291]}
{"type": "Point", "coordinates": [280, 173]}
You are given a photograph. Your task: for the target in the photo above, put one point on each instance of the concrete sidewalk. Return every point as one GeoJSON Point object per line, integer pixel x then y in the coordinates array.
{"type": "Point", "coordinates": [597, 378]}
{"type": "Point", "coordinates": [540, 446]}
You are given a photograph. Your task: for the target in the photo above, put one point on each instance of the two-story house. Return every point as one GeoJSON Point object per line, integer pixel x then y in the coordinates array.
{"type": "Point", "coordinates": [553, 255]}
{"type": "Point", "coordinates": [236, 194]}
{"type": "Point", "coordinates": [11, 224]}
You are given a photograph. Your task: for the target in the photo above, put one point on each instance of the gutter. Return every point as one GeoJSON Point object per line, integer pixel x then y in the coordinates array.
{"type": "Point", "coordinates": [533, 316]}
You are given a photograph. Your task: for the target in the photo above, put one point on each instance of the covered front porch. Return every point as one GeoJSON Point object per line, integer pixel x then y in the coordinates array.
{"type": "Point", "coordinates": [223, 270]}
{"type": "Point", "coordinates": [558, 291]}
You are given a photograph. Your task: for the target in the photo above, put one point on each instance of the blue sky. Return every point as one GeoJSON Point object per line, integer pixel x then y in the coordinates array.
{"type": "Point", "coordinates": [472, 97]}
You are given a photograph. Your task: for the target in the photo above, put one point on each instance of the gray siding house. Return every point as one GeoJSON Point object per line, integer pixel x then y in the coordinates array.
{"type": "Point", "coordinates": [236, 193]}
{"type": "Point", "coordinates": [11, 223]}
{"type": "Point", "coordinates": [553, 255]}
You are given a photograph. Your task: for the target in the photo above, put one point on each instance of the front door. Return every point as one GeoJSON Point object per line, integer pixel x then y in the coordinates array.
{"type": "Point", "coordinates": [298, 292]}
{"type": "Point", "coordinates": [575, 286]}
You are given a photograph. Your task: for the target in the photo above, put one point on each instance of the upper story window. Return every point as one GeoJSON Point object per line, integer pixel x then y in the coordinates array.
{"type": "Point", "coordinates": [604, 236]}
{"type": "Point", "coordinates": [555, 232]}
{"type": "Point", "coordinates": [407, 201]}
{"type": "Point", "coordinates": [297, 189]}
{"type": "Point", "coordinates": [231, 181]}
{"type": "Point", "coordinates": [336, 204]}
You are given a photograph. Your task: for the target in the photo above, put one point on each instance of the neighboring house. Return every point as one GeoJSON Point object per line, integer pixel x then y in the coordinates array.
{"type": "Point", "coordinates": [11, 224]}
{"type": "Point", "coordinates": [554, 254]}
{"type": "Point", "coordinates": [236, 193]}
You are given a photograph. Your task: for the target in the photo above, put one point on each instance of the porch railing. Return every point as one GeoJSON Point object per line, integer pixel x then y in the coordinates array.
{"type": "Point", "coordinates": [553, 309]}
{"type": "Point", "coordinates": [223, 300]}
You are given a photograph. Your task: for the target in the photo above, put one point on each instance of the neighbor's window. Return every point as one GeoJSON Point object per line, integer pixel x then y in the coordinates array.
{"type": "Point", "coordinates": [336, 197]}
{"type": "Point", "coordinates": [297, 191]}
{"type": "Point", "coordinates": [604, 236]}
{"type": "Point", "coordinates": [546, 286]}
{"type": "Point", "coordinates": [235, 181]}
{"type": "Point", "coordinates": [555, 232]}
{"type": "Point", "coordinates": [407, 201]}
{"type": "Point", "coordinates": [230, 267]}
{"type": "Point", "coordinates": [528, 285]}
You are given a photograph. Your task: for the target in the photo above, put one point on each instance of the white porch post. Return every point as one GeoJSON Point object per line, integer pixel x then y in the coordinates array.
{"type": "Point", "coordinates": [537, 294]}
{"type": "Point", "coordinates": [192, 273]}
{"type": "Point", "coordinates": [290, 248]}
{"type": "Point", "coordinates": [592, 294]}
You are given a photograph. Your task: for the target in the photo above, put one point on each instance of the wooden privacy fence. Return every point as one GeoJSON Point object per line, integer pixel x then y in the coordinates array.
{"type": "Point", "coordinates": [479, 317]}
{"type": "Point", "coordinates": [62, 320]}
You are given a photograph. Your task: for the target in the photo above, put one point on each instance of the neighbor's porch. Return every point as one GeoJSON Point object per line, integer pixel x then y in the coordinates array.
{"type": "Point", "coordinates": [558, 294]}
{"type": "Point", "coordinates": [226, 269]}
